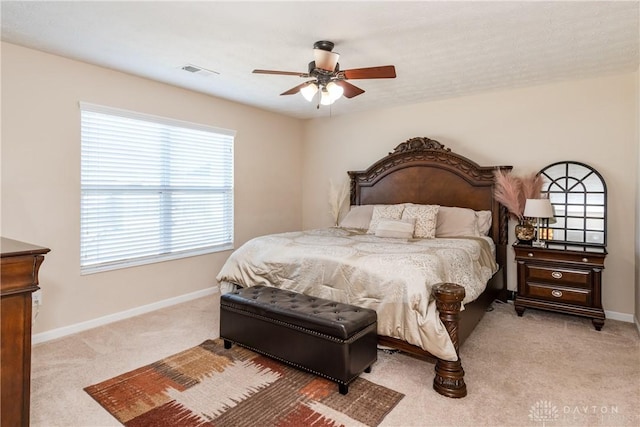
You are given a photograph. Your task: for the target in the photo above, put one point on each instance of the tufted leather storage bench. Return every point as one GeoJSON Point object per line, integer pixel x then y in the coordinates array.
{"type": "Point", "coordinates": [337, 341]}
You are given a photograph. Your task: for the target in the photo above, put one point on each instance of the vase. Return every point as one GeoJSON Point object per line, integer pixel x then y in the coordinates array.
{"type": "Point", "coordinates": [525, 232]}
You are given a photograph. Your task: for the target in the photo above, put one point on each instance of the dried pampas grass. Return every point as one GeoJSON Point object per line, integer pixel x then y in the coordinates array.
{"type": "Point", "coordinates": [507, 191]}
{"type": "Point", "coordinates": [338, 196]}
{"type": "Point", "coordinates": [513, 191]}
{"type": "Point", "coordinates": [531, 186]}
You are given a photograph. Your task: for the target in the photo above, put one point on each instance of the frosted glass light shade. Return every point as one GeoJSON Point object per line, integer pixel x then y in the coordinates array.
{"type": "Point", "coordinates": [309, 91]}
{"type": "Point", "coordinates": [325, 59]}
{"type": "Point", "coordinates": [325, 97]}
{"type": "Point", "coordinates": [335, 91]}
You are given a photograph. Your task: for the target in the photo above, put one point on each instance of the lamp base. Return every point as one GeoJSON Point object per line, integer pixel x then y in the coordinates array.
{"type": "Point", "coordinates": [539, 244]}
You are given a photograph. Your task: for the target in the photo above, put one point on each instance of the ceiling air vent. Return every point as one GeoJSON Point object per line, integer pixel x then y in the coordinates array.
{"type": "Point", "coordinates": [199, 70]}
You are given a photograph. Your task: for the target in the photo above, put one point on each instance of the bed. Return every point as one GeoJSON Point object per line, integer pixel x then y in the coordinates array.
{"type": "Point", "coordinates": [427, 291]}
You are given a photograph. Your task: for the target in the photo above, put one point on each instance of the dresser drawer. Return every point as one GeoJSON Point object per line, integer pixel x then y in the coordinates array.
{"type": "Point", "coordinates": [18, 273]}
{"type": "Point", "coordinates": [559, 276]}
{"type": "Point", "coordinates": [559, 294]}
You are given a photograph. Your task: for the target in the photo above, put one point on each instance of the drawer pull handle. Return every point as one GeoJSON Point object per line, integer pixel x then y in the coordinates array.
{"type": "Point", "coordinates": [556, 293]}
{"type": "Point", "coordinates": [556, 275]}
{"type": "Point", "coordinates": [585, 259]}
{"type": "Point", "coordinates": [530, 254]}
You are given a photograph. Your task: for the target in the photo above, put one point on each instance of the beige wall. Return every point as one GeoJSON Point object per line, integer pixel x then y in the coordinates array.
{"type": "Point", "coordinates": [41, 178]}
{"type": "Point", "coordinates": [637, 222]}
{"type": "Point", "coordinates": [592, 121]}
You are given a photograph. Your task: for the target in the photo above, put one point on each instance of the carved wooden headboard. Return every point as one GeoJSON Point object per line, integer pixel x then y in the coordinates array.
{"type": "Point", "coordinates": [423, 171]}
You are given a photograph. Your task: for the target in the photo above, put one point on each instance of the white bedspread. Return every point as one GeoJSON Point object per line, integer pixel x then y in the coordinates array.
{"type": "Point", "coordinates": [392, 276]}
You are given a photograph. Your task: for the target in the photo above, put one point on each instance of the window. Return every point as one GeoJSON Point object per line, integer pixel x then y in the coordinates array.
{"type": "Point", "coordinates": [152, 189]}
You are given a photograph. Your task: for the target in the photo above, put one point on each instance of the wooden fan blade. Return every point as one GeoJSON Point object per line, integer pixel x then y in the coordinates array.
{"type": "Point", "coordinates": [383, 72]}
{"type": "Point", "coordinates": [349, 90]}
{"type": "Point", "coordinates": [283, 73]}
{"type": "Point", "coordinates": [294, 90]}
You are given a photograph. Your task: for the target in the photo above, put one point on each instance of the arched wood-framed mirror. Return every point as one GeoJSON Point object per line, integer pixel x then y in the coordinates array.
{"type": "Point", "coordinates": [578, 195]}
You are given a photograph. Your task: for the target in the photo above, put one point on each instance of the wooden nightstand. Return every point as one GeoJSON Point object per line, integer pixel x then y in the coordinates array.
{"type": "Point", "coordinates": [563, 280]}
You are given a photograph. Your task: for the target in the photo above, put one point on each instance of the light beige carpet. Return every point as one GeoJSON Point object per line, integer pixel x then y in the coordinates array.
{"type": "Point", "coordinates": [542, 369]}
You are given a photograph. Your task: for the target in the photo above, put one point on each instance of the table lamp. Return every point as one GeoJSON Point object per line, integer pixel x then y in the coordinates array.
{"type": "Point", "coordinates": [538, 208]}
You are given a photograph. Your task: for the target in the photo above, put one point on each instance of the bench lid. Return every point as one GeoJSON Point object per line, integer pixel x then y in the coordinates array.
{"type": "Point", "coordinates": [328, 317]}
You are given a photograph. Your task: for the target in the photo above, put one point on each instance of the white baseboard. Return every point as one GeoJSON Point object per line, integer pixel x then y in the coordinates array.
{"type": "Point", "coordinates": [623, 317]}
{"type": "Point", "coordinates": [614, 315]}
{"type": "Point", "coordinates": [100, 321]}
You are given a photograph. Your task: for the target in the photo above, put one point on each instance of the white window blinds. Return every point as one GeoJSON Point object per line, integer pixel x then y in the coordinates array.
{"type": "Point", "coordinates": [152, 189]}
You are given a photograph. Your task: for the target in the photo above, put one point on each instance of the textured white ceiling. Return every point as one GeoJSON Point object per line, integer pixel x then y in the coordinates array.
{"type": "Point", "coordinates": [440, 49]}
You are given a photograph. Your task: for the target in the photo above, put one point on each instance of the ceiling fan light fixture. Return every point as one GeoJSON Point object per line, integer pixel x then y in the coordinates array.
{"type": "Point", "coordinates": [309, 91]}
{"type": "Point", "coordinates": [328, 79]}
{"type": "Point", "coordinates": [325, 60]}
{"type": "Point", "coordinates": [330, 93]}
{"type": "Point", "coordinates": [325, 97]}
{"type": "Point", "coordinates": [335, 91]}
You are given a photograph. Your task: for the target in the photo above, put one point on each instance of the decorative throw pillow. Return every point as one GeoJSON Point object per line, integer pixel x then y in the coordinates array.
{"type": "Point", "coordinates": [483, 222]}
{"type": "Point", "coordinates": [384, 211]}
{"type": "Point", "coordinates": [456, 222]}
{"type": "Point", "coordinates": [358, 217]}
{"type": "Point", "coordinates": [425, 217]}
{"type": "Point", "coordinates": [398, 228]}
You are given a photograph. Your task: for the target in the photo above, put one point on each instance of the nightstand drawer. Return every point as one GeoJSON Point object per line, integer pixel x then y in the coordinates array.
{"type": "Point", "coordinates": [580, 259]}
{"type": "Point", "coordinates": [559, 294]}
{"type": "Point", "coordinates": [559, 276]}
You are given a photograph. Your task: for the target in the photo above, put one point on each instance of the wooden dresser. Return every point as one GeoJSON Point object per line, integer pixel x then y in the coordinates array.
{"type": "Point", "coordinates": [563, 280]}
{"type": "Point", "coordinates": [20, 263]}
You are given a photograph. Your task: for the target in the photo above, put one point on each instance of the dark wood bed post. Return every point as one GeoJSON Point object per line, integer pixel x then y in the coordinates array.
{"type": "Point", "coordinates": [449, 379]}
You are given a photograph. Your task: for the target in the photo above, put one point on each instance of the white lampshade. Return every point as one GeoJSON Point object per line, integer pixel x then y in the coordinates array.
{"type": "Point", "coordinates": [325, 59]}
{"type": "Point", "coordinates": [325, 97]}
{"type": "Point", "coordinates": [309, 91]}
{"type": "Point", "coordinates": [335, 91]}
{"type": "Point", "coordinates": [538, 208]}
{"type": "Point", "coordinates": [330, 93]}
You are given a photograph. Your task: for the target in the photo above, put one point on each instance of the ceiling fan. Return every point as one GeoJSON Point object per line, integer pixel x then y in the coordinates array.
{"type": "Point", "coordinates": [328, 79]}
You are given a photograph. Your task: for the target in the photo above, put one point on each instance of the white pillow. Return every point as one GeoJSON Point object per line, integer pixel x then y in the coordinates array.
{"type": "Point", "coordinates": [456, 222]}
{"type": "Point", "coordinates": [425, 217]}
{"type": "Point", "coordinates": [483, 222]}
{"type": "Point", "coordinates": [398, 228]}
{"type": "Point", "coordinates": [358, 217]}
{"type": "Point", "coordinates": [384, 211]}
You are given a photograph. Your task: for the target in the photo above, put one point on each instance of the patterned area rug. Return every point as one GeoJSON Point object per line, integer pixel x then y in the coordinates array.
{"type": "Point", "coordinates": [210, 386]}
